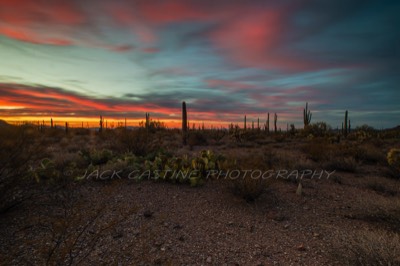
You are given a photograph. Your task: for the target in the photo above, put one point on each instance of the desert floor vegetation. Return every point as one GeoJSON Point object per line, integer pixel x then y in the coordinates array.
{"type": "Point", "coordinates": [229, 196]}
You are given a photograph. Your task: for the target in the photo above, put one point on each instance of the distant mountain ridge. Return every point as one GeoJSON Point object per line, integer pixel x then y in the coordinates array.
{"type": "Point", "coordinates": [4, 124]}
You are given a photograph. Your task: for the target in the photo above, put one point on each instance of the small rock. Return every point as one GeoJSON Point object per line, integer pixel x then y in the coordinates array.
{"type": "Point", "coordinates": [209, 260]}
{"type": "Point", "coordinates": [301, 248]}
{"type": "Point", "coordinates": [299, 190]}
{"type": "Point", "coordinates": [286, 226]}
{"type": "Point", "coordinates": [117, 235]}
{"type": "Point", "coordinates": [181, 238]}
{"type": "Point", "coordinates": [178, 226]}
{"type": "Point", "coordinates": [148, 214]}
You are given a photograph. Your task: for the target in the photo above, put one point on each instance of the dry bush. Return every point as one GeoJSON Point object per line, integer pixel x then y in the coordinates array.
{"type": "Point", "coordinates": [249, 188]}
{"type": "Point", "coordinates": [65, 226]}
{"type": "Point", "coordinates": [382, 212]}
{"type": "Point", "coordinates": [318, 129]}
{"type": "Point", "coordinates": [73, 234]}
{"type": "Point", "coordinates": [245, 185]}
{"type": "Point", "coordinates": [197, 138]}
{"type": "Point", "coordinates": [370, 154]}
{"type": "Point", "coordinates": [135, 141]}
{"type": "Point", "coordinates": [18, 146]}
{"type": "Point", "coordinates": [366, 247]}
{"type": "Point", "coordinates": [379, 245]}
{"type": "Point", "coordinates": [318, 150]}
{"type": "Point", "coordinates": [382, 186]}
{"type": "Point", "coordinates": [345, 164]}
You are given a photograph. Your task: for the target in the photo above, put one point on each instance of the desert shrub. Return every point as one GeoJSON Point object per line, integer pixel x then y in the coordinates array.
{"type": "Point", "coordinates": [45, 171]}
{"type": "Point", "coordinates": [245, 174]}
{"type": "Point", "coordinates": [280, 137]}
{"type": "Point", "coordinates": [318, 129]}
{"type": "Point", "coordinates": [381, 187]}
{"type": "Point", "coordinates": [193, 171]}
{"type": "Point", "coordinates": [382, 212]}
{"type": "Point", "coordinates": [96, 157]}
{"type": "Point", "coordinates": [318, 150]}
{"type": "Point", "coordinates": [216, 136]}
{"type": "Point", "coordinates": [196, 138]}
{"type": "Point", "coordinates": [120, 167]}
{"type": "Point", "coordinates": [366, 247]}
{"type": "Point", "coordinates": [134, 141]}
{"type": "Point", "coordinates": [73, 234]}
{"type": "Point", "coordinates": [369, 154]}
{"type": "Point", "coordinates": [18, 146]}
{"type": "Point", "coordinates": [81, 131]}
{"type": "Point", "coordinates": [346, 164]}
{"type": "Point", "coordinates": [393, 159]}
{"type": "Point", "coordinates": [249, 188]}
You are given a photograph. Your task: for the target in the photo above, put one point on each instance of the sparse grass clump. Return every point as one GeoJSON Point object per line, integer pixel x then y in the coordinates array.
{"type": "Point", "coordinates": [249, 188]}
{"type": "Point", "coordinates": [248, 183]}
{"type": "Point", "coordinates": [369, 248]}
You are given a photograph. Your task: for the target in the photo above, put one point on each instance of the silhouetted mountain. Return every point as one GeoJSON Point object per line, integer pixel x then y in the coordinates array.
{"type": "Point", "coordinates": [394, 128]}
{"type": "Point", "coordinates": [4, 124]}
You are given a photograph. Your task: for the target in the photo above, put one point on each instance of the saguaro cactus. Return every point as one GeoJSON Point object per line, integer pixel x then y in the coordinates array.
{"type": "Point", "coordinates": [101, 124]}
{"type": "Point", "coordinates": [267, 125]}
{"type": "Point", "coordinates": [275, 120]}
{"type": "Point", "coordinates": [306, 116]}
{"type": "Point", "coordinates": [51, 123]}
{"type": "Point", "coordinates": [345, 127]}
{"type": "Point", "coordinates": [184, 124]}
{"type": "Point", "coordinates": [245, 123]}
{"type": "Point", "coordinates": [147, 125]}
{"type": "Point", "coordinates": [66, 127]}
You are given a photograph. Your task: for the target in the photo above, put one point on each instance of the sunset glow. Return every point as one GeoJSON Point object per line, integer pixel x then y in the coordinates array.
{"type": "Point", "coordinates": [76, 60]}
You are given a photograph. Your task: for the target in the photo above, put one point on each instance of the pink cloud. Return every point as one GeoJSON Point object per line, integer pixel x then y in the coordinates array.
{"type": "Point", "coordinates": [254, 38]}
{"type": "Point", "coordinates": [57, 22]}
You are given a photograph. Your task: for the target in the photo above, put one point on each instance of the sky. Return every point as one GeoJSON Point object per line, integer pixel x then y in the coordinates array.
{"type": "Point", "coordinates": [77, 60]}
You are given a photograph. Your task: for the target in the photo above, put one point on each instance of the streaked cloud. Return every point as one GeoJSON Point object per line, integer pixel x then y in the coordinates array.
{"type": "Point", "coordinates": [225, 58]}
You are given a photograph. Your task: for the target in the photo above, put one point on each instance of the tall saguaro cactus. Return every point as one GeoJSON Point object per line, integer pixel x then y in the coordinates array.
{"type": "Point", "coordinates": [346, 124]}
{"type": "Point", "coordinates": [51, 123]}
{"type": "Point", "coordinates": [275, 120]}
{"type": "Point", "coordinates": [101, 124]}
{"type": "Point", "coordinates": [306, 116]}
{"type": "Point", "coordinates": [147, 125]}
{"type": "Point", "coordinates": [267, 125]}
{"type": "Point", "coordinates": [184, 124]}
{"type": "Point", "coordinates": [245, 123]}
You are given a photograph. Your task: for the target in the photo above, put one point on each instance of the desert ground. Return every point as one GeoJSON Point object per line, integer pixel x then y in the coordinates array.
{"type": "Point", "coordinates": [121, 197]}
